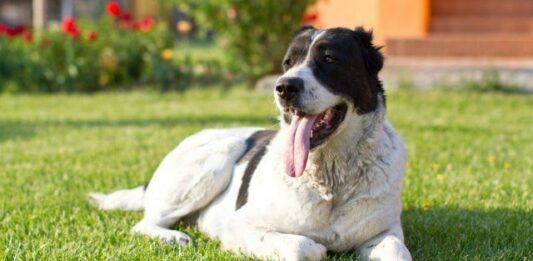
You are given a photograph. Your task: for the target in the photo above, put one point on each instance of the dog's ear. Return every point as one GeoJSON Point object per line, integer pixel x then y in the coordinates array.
{"type": "Point", "coordinates": [371, 53]}
{"type": "Point", "coordinates": [303, 29]}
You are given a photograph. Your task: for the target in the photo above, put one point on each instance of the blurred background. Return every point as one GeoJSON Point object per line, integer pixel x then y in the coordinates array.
{"type": "Point", "coordinates": [89, 45]}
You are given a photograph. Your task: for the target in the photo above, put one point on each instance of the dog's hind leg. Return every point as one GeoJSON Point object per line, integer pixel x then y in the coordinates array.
{"type": "Point", "coordinates": [189, 178]}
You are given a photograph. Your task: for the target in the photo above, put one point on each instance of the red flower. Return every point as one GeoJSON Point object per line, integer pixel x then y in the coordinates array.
{"type": "Point", "coordinates": [147, 24]}
{"type": "Point", "coordinates": [70, 27]}
{"type": "Point", "coordinates": [135, 26]}
{"type": "Point", "coordinates": [12, 31]}
{"type": "Point", "coordinates": [113, 8]}
{"type": "Point", "coordinates": [75, 35]}
{"type": "Point", "coordinates": [126, 16]}
{"type": "Point", "coordinates": [310, 18]}
{"type": "Point", "coordinates": [3, 29]}
{"type": "Point", "coordinates": [18, 30]}
{"type": "Point", "coordinates": [92, 36]}
{"type": "Point", "coordinates": [28, 37]}
{"type": "Point", "coordinates": [125, 20]}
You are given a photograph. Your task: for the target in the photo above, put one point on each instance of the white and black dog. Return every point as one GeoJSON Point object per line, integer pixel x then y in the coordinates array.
{"type": "Point", "coordinates": [329, 179]}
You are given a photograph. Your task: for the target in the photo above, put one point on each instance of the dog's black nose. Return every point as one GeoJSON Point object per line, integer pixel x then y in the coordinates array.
{"type": "Point", "coordinates": [289, 88]}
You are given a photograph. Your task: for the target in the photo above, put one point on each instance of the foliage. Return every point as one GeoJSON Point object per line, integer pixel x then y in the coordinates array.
{"type": "Point", "coordinates": [255, 33]}
{"type": "Point", "coordinates": [86, 57]}
{"type": "Point", "coordinates": [120, 52]}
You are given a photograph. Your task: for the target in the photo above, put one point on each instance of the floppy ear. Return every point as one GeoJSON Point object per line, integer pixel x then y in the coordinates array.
{"type": "Point", "coordinates": [371, 53]}
{"type": "Point", "coordinates": [303, 29]}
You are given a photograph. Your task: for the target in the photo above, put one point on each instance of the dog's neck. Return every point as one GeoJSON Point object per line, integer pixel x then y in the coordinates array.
{"type": "Point", "coordinates": [339, 165]}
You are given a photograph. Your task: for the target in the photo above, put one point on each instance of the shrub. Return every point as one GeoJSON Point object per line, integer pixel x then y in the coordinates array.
{"type": "Point", "coordinates": [84, 56]}
{"type": "Point", "coordinates": [255, 33]}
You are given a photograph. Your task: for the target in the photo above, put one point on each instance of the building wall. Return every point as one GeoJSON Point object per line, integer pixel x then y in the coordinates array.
{"type": "Point", "coordinates": [347, 13]}
{"type": "Point", "coordinates": [15, 11]}
{"type": "Point", "coordinates": [146, 8]}
{"type": "Point", "coordinates": [388, 18]}
{"type": "Point", "coordinates": [403, 18]}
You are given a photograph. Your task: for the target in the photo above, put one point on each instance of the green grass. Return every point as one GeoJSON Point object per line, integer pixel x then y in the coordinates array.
{"type": "Point", "coordinates": [468, 192]}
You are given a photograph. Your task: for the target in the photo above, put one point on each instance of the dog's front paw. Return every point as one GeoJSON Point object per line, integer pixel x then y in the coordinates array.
{"type": "Point", "coordinates": [174, 238]}
{"type": "Point", "coordinates": [295, 248]}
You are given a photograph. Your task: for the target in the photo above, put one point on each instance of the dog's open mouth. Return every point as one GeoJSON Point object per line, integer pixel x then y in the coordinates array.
{"type": "Point", "coordinates": [326, 123]}
{"type": "Point", "coordinates": [307, 132]}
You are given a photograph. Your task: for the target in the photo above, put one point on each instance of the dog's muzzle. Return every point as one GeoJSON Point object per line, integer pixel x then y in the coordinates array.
{"type": "Point", "coordinates": [288, 89]}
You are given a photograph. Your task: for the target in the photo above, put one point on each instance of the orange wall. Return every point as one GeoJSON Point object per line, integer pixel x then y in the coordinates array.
{"type": "Point", "coordinates": [347, 13]}
{"type": "Point", "coordinates": [147, 8]}
{"type": "Point", "coordinates": [403, 18]}
{"type": "Point", "coordinates": [388, 18]}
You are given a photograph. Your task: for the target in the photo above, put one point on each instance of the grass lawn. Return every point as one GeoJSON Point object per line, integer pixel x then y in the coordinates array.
{"type": "Point", "coordinates": [468, 192]}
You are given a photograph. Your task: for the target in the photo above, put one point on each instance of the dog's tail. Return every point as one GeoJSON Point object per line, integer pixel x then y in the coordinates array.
{"type": "Point", "coordinates": [126, 199]}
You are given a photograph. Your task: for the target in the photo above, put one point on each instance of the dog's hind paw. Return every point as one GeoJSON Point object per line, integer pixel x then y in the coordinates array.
{"type": "Point", "coordinates": [96, 199]}
{"type": "Point", "coordinates": [167, 236]}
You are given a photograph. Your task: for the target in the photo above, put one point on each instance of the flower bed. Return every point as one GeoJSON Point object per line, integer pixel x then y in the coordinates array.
{"type": "Point", "coordinates": [115, 51]}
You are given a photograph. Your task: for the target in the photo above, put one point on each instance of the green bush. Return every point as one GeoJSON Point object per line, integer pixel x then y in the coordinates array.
{"type": "Point", "coordinates": [255, 33]}
{"type": "Point", "coordinates": [119, 52]}
{"type": "Point", "coordinates": [89, 57]}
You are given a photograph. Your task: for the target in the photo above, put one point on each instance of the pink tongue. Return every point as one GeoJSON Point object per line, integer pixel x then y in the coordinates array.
{"type": "Point", "coordinates": [297, 147]}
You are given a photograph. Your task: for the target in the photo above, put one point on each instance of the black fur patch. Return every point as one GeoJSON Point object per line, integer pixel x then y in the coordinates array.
{"type": "Point", "coordinates": [256, 150]}
{"type": "Point", "coordinates": [299, 47]}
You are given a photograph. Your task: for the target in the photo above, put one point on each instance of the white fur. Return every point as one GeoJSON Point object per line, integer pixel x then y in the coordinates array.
{"type": "Point", "coordinates": [126, 199]}
{"type": "Point", "coordinates": [347, 199]}
{"type": "Point", "coordinates": [354, 205]}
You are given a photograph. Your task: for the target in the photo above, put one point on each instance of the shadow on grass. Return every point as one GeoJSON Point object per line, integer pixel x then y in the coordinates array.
{"type": "Point", "coordinates": [454, 234]}
{"type": "Point", "coordinates": [206, 120]}
{"type": "Point", "coordinates": [441, 233]}
{"type": "Point", "coordinates": [11, 129]}
{"type": "Point", "coordinates": [454, 128]}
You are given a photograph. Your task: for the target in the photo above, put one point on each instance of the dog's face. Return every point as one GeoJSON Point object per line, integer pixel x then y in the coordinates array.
{"type": "Point", "coordinates": [329, 76]}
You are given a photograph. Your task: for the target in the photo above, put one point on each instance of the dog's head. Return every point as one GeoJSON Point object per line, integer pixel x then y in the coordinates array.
{"type": "Point", "coordinates": [330, 77]}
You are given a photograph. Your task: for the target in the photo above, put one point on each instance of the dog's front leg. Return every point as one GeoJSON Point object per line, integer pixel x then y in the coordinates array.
{"type": "Point", "coordinates": [244, 238]}
{"type": "Point", "coordinates": [388, 246]}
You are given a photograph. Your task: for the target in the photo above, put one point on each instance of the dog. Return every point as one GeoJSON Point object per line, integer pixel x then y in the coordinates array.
{"type": "Point", "coordinates": [329, 180]}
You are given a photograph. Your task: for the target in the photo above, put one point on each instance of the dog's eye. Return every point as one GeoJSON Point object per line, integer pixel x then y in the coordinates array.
{"type": "Point", "coordinates": [329, 59]}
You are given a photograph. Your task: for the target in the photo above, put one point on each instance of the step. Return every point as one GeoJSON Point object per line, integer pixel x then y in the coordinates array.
{"type": "Point", "coordinates": [463, 45]}
{"type": "Point", "coordinates": [428, 72]}
{"type": "Point", "coordinates": [482, 7]}
{"type": "Point", "coordinates": [467, 24]}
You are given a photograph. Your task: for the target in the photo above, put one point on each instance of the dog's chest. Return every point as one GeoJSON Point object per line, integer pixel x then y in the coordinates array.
{"type": "Point", "coordinates": [302, 210]}
{"type": "Point", "coordinates": [301, 206]}
{"type": "Point", "coordinates": [291, 208]}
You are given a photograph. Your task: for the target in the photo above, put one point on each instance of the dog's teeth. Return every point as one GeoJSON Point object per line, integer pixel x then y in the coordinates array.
{"type": "Point", "coordinates": [329, 115]}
